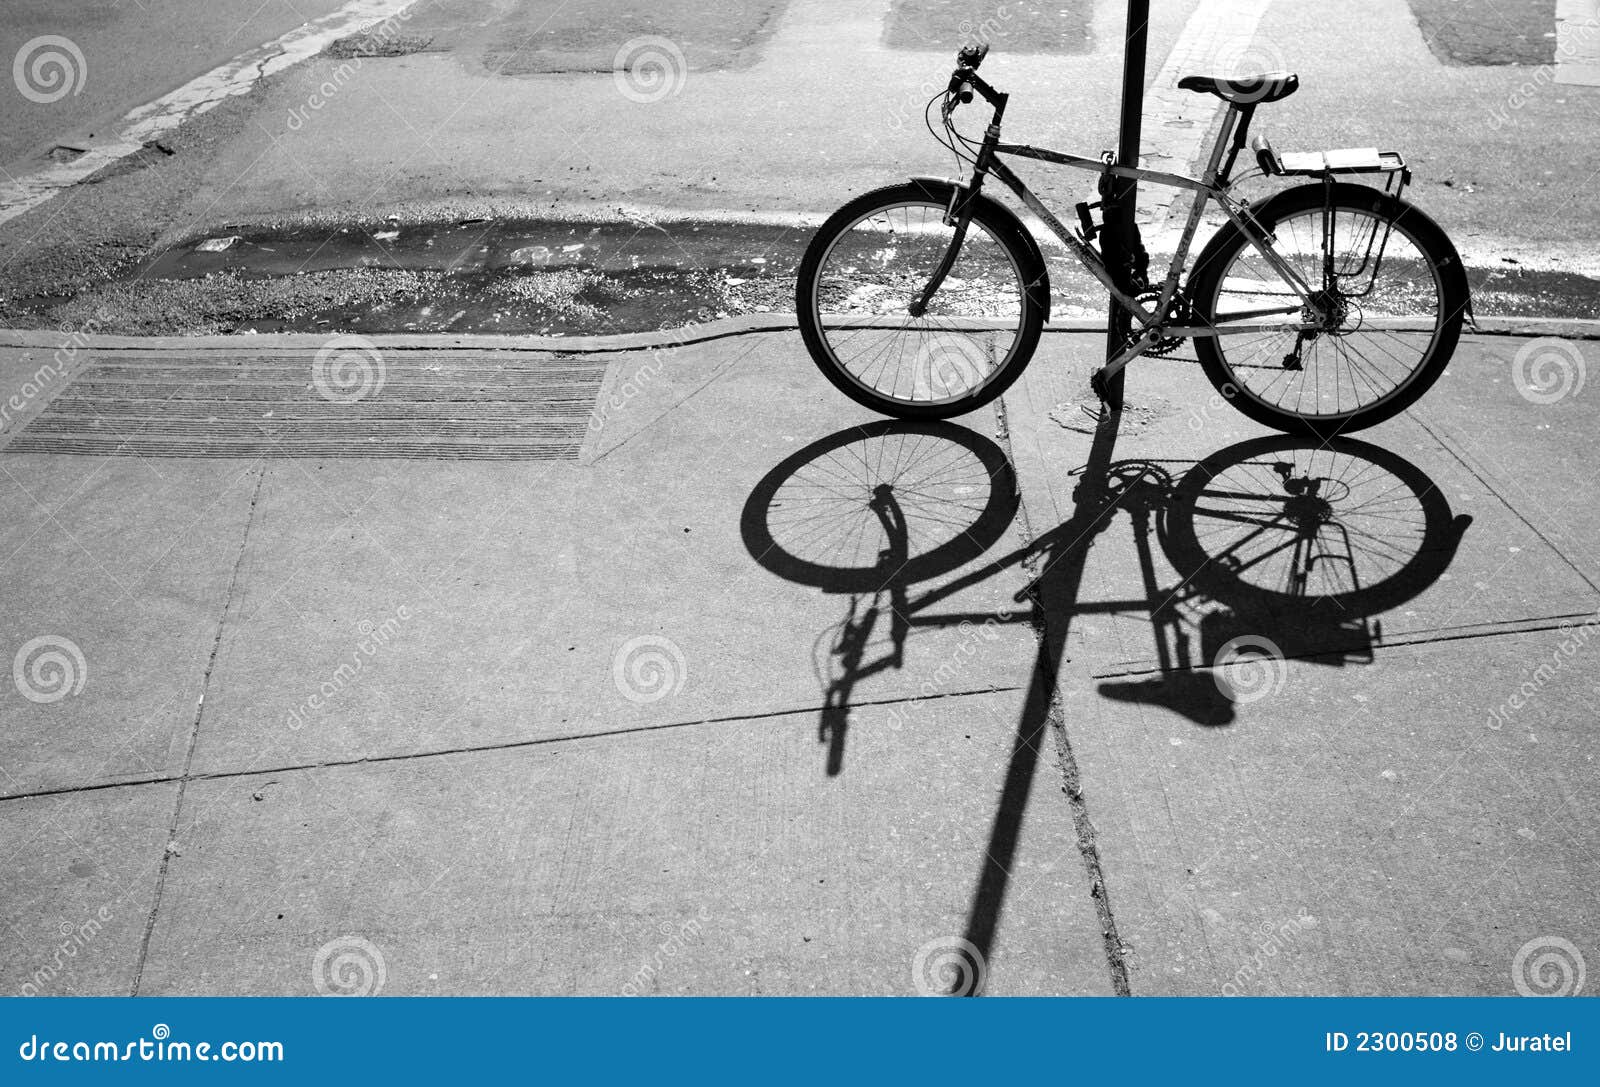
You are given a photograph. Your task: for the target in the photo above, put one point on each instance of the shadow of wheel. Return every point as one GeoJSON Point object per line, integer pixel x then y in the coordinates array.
{"type": "Point", "coordinates": [815, 518]}
{"type": "Point", "coordinates": [1285, 523]}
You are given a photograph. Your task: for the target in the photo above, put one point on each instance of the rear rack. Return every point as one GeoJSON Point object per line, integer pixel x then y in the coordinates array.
{"type": "Point", "coordinates": [1327, 164]}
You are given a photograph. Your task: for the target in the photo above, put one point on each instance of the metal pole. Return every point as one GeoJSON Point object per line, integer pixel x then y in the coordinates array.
{"type": "Point", "coordinates": [1124, 252]}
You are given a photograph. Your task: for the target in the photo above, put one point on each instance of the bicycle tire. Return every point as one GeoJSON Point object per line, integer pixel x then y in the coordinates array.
{"type": "Point", "coordinates": [946, 342]}
{"type": "Point", "coordinates": [1425, 244]}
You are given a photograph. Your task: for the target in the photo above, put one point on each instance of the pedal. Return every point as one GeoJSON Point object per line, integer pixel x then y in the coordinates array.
{"type": "Point", "coordinates": [1100, 382]}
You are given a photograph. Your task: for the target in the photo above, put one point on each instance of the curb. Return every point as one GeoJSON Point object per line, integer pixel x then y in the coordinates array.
{"type": "Point", "coordinates": [721, 329]}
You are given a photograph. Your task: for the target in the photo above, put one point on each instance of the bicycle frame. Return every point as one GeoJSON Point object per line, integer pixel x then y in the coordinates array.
{"type": "Point", "coordinates": [1213, 185]}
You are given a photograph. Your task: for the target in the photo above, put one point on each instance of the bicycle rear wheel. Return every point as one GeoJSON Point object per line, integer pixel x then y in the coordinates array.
{"type": "Point", "coordinates": [866, 269]}
{"type": "Point", "coordinates": [1282, 523]}
{"type": "Point", "coordinates": [1389, 298]}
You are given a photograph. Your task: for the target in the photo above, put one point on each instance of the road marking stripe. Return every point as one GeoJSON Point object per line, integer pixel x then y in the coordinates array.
{"type": "Point", "coordinates": [237, 76]}
{"type": "Point", "coordinates": [1178, 124]}
{"type": "Point", "coordinates": [1578, 42]}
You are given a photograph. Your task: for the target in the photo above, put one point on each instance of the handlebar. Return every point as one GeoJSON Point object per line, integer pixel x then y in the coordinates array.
{"type": "Point", "coordinates": [966, 83]}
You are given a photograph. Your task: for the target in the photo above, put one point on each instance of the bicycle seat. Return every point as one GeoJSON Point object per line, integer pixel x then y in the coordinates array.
{"type": "Point", "coordinates": [1244, 89]}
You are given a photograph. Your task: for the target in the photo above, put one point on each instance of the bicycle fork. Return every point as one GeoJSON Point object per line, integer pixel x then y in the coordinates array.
{"type": "Point", "coordinates": [959, 215]}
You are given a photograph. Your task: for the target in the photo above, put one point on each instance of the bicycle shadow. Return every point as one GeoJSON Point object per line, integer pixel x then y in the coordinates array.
{"type": "Point", "coordinates": [1283, 548]}
{"type": "Point", "coordinates": [1289, 544]}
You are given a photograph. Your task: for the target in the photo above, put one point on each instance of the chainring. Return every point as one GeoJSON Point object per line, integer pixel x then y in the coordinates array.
{"type": "Point", "coordinates": [1177, 313]}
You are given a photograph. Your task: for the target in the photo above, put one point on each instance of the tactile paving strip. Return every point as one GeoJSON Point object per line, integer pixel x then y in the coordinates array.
{"type": "Point", "coordinates": [457, 404]}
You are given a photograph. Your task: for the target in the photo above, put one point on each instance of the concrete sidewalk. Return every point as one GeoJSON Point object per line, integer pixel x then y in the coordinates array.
{"type": "Point", "coordinates": [463, 668]}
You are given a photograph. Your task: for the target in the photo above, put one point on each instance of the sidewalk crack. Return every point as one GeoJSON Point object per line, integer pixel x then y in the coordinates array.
{"type": "Point", "coordinates": [1067, 762]}
{"type": "Point", "coordinates": [194, 733]}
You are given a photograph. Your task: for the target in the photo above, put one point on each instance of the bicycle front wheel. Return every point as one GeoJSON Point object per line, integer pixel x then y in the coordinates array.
{"type": "Point", "coordinates": [860, 289]}
{"type": "Point", "coordinates": [1388, 299]}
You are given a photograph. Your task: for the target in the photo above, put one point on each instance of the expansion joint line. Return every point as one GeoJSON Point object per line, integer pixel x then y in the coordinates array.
{"type": "Point", "coordinates": [1066, 760]}
{"type": "Point", "coordinates": [194, 733]}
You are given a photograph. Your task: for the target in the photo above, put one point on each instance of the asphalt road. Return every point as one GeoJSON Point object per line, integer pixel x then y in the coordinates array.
{"type": "Point", "coordinates": [768, 112]}
{"type": "Point", "coordinates": [132, 53]}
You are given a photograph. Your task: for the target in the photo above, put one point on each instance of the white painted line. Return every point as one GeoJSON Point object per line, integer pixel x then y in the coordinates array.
{"type": "Point", "coordinates": [149, 121]}
{"type": "Point", "coordinates": [1219, 39]}
{"type": "Point", "coordinates": [1578, 42]}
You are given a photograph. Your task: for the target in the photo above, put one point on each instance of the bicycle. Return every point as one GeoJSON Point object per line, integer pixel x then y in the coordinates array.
{"type": "Point", "coordinates": [1328, 308]}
